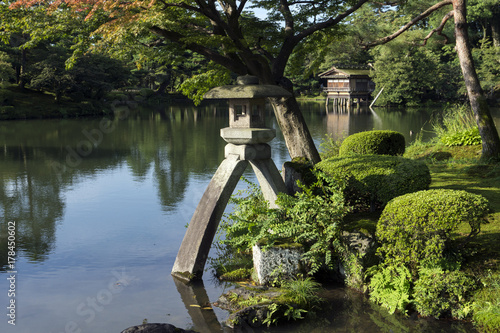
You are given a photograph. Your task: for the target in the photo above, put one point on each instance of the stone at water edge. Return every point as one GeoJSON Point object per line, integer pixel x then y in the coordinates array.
{"type": "Point", "coordinates": [156, 328]}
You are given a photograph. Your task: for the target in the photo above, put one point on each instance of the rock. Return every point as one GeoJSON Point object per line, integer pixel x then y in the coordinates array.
{"type": "Point", "coordinates": [250, 316]}
{"type": "Point", "coordinates": [156, 328]}
{"type": "Point", "coordinates": [277, 262]}
{"type": "Point", "coordinates": [360, 255]}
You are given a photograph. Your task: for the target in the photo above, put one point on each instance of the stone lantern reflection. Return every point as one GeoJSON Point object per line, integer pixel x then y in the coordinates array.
{"type": "Point", "coordinates": [247, 138]}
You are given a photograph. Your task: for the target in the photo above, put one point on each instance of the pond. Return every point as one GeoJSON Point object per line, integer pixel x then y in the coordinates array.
{"type": "Point", "coordinates": [100, 208]}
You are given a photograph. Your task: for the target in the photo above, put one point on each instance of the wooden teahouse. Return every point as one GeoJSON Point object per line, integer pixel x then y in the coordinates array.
{"type": "Point", "coordinates": [347, 84]}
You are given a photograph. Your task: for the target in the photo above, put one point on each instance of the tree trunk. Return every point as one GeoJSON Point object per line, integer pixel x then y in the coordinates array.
{"type": "Point", "coordinates": [294, 128]}
{"type": "Point", "coordinates": [495, 31]}
{"type": "Point", "coordinates": [478, 102]}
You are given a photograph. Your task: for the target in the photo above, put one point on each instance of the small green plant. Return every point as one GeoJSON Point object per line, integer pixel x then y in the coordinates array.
{"type": "Point", "coordinates": [468, 137]}
{"type": "Point", "coordinates": [419, 226]}
{"type": "Point", "coordinates": [329, 147]}
{"type": "Point", "coordinates": [439, 292]}
{"type": "Point", "coordinates": [391, 287]}
{"type": "Point", "coordinates": [237, 275]}
{"type": "Point", "coordinates": [457, 127]}
{"type": "Point", "coordinates": [380, 142]}
{"type": "Point", "coordinates": [302, 292]}
{"type": "Point", "coordinates": [313, 218]}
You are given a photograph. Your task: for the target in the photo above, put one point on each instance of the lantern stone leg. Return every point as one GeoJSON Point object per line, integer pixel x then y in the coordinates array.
{"type": "Point", "coordinates": [193, 253]}
{"type": "Point", "coordinates": [270, 180]}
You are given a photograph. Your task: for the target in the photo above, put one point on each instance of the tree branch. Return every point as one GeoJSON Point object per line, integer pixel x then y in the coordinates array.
{"type": "Point", "coordinates": [292, 41]}
{"type": "Point", "coordinates": [439, 30]}
{"type": "Point", "coordinates": [216, 57]}
{"type": "Point", "coordinates": [418, 18]}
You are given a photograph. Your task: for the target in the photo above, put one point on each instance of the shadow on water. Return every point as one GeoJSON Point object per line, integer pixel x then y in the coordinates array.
{"type": "Point", "coordinates": [345, 310]}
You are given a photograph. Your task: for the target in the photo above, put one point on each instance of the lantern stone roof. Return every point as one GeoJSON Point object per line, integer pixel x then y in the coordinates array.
{"type": "Point", "coordinates": [248, 87]}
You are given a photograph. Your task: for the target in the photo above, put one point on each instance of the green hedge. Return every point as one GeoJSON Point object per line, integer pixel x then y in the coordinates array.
{"type": "Point", "coordinates": [376, 179]}
{"type": "Point", "coordinates": [417, 227]}
{"type": "Point", "coordinates": [374, 142]}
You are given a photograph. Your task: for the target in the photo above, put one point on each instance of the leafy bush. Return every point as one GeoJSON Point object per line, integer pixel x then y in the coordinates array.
{"type": "Point", "coordinates": [468, 137]}
{"type": "Point", "coordinates": [373, 142]}
{"type": "Point", "coordinates": [457, 127]}
{"type": "Point", "coordinates": [439, 293]}
{"type": "Point", "coordinates": [374, 180]}
{"type": "Point", "coordinates": [391, 287]}
{"type": "Point", "coordinates": [418, 226]}
{"type": "Point", "coordinates": [312, 218]}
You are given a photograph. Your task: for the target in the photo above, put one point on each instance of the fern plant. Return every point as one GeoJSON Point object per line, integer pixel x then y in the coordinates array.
{"type": "Point", "coordinates": [391, 287]}
{"type": "Point", "coordinates": [312, 218]}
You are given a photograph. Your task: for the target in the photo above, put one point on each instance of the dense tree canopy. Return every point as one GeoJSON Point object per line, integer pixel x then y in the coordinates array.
{"type": "Point", "coordinates": [194, 44]}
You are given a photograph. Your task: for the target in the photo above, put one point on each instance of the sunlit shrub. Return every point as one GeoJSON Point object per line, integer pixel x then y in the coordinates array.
{"type": "Point", "coordinates": [419, 226]}
{"type": "Point", "coordinates": [373, 142]}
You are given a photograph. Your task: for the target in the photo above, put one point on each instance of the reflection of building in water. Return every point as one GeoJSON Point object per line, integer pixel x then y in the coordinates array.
{"type": "Point", "coordinates": [337, 124]}
{"type": "Point", "coordinates": [345, 85]}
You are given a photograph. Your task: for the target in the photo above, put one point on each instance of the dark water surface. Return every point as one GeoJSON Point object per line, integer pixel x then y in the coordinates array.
{"type": "Point", "coordinates": [100, 208]}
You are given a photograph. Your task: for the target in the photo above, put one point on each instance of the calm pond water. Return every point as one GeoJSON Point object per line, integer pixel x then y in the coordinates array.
{"type": "Point", "coordinates": [100, 208]}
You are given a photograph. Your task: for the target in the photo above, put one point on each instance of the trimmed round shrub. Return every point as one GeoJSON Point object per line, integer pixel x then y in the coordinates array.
{"type": "Point", "coordinates": [417, 227]}
{"type": "Point", "coordinates": [376, 179]}
{"type": "Point", "coordinates": [374, 142]}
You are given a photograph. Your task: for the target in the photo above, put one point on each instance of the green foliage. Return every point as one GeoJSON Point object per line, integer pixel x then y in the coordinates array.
{"type": "Point", "coordinates": [297, 297]}
{"type": "Point", "coordinates": [303, 293]}
{"type": "Point", "coordinates": [196, 86]}
{"type": "Point", "coordinates": [439, 293]}
{"type": "Point", "coordinates": [391, 287]}
{"type": "Point", "coordinates": [312, 218]}
{"type": "Point", "coordinates": [373, 142]}
{"type": "Point", "coordinates": [419, 226]}
{"type": "Point", "coordinates": [237, 275]}
{"type": "Point", "coordinates": [457, 126]}
{"type": "Point", "coordinates": [466, 138]}
{"type": "Point", "coordinates": [242, 227]}
{"type": "Point", "coordinates": [329, 147]}
{"type": "Point", "coordinates": [487, 61]}
{"type": "Point", "coordinates": [486, 304]}
{"type": "Point", "coordinates": [374, 180]}
{"type": "Point", "coordinates": [411, 74]}
{"type": "Point", "coordinates": [7, 72]}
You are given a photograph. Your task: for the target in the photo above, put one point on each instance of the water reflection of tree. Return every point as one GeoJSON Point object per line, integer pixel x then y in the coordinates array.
{"type": "Point", "coordinates": [177, 142]}
{"type": "Point", "coordinates": [30, 198]}
{"type": "Point", "coordinates": [174, 144]}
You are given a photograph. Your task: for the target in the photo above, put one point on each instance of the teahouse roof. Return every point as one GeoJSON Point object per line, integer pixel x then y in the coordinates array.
{"type": "Point", "coordinates": [346, 71]}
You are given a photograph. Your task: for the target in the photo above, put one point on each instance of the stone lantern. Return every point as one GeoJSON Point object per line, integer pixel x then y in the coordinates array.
{"type": "Point", "coordinates": [247, 139]}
